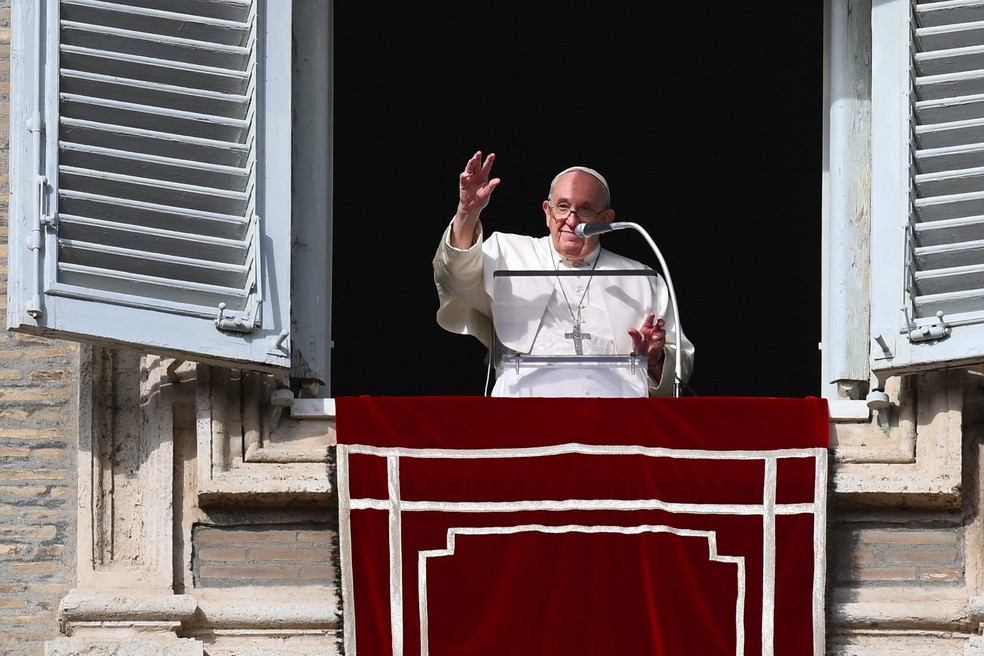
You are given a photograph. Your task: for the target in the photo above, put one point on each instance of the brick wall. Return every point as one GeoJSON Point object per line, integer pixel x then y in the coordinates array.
{"type": "Point", "coordinates": [263, 555]}
{"type": "Point", "coordinates": [873, 555]}
{"type": "Point", "coordinates": [38, 447]}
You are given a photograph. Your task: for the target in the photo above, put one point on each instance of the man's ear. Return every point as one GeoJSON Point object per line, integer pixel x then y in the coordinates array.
{"type": "Point", "coordinates": [608, 215]}
{"type": "Point", "coordinates": [546, 211]}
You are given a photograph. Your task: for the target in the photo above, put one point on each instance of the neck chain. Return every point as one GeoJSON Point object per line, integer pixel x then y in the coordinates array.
{"type": "Point", "coordinates": [576, 335]}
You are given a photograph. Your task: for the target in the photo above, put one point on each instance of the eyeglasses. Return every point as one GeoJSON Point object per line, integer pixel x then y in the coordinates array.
{"type": "Point", "coordinates": [562, 211]}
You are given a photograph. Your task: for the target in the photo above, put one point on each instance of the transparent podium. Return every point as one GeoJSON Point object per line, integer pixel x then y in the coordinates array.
{"type": "Point", "coordinates": [580, 367]}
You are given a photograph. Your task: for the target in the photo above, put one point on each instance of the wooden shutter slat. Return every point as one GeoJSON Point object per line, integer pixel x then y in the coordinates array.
{"type": "Point", "coordinates": [937, 14]}
{"type": "Point", "coordinates": [185, 172]}
{"type": "Point", "coordinates": [203, 53]}
{"type": "Point", "coordinates": [949, 158]}
{"type": "Point", "coordinates": [952, 280]}
{"type": "Point", "coordinates": [199, 299]}
{"type": "Point", "coordinates": [948, 231]}
{"type": "Point", "coordinates": [153, 215]}
{"type": "Point", "coordinates": [139, 140]}
{"type": "Point", "coordinates": [154, 94]}
{"type": "Point", "coordinates": [223, 252]}
{"type": "Point", "coordinates": [171, 194]}
{"type": "Point", "coordinates": [165, 71]}
{"type": "Point", "coordinates": [154, 21]}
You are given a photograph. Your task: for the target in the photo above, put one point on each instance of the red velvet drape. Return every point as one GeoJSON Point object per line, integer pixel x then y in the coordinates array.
{"type": "Point", "coordinates": [582, 526]}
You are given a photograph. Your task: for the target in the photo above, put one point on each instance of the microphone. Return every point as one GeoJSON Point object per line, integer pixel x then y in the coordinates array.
{"type": "Point", "coordinates": [584, 230]}
{"type": "Point", "coordinates": [588, 229]}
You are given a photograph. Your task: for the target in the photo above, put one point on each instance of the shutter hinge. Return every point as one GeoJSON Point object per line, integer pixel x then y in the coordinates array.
{"type": "Point", "coordinates": [248, 319]}
{"type": "Point", "coordinates": [35, 241]}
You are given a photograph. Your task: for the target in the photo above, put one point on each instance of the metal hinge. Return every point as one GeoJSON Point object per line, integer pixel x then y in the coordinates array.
{"type": "Point", "coordinates": [249, 319]}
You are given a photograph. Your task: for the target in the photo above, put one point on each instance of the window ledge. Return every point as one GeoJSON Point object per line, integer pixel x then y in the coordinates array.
{"type": "Point", "coordinates": [313, 409]}
{"type": "Point", "coordinates": [848, 410]}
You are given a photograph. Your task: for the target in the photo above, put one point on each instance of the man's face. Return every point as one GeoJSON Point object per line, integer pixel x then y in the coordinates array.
{"type": "Point", "coordinates": [583, 193]}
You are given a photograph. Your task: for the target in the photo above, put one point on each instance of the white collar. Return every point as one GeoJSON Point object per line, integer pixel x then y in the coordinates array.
{"type": "Point", "coordinates": [567, 263]}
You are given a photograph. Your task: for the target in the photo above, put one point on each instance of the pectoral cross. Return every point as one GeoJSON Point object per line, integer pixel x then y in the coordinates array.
{"type": "Point", "coordinates": [578, 338]}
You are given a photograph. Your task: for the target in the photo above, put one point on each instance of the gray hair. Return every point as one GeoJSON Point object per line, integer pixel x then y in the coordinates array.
{"type": "Point", "coordinates": [583, 169]}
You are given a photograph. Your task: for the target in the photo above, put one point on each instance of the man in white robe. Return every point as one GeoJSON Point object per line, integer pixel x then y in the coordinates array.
{"type": "Point", "coordinates": [555, 315]}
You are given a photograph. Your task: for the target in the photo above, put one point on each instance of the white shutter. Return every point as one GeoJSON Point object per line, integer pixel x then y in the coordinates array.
{"type": "Point", "coordinates": [927, 184]}
{"type": "Point", "coordinates": [151, 203]}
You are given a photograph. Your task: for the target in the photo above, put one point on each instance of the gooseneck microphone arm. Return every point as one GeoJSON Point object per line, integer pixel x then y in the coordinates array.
{"type": "Point", "coordinates": [584, 230]}
{"type": "Point", "coordinates": [590, 229]}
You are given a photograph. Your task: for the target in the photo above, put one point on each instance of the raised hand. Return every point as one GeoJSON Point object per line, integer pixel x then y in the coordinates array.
{"type": "Point", "coordinates": [474, 186]}
{"type": "Point", "coordinates": [474, 191]}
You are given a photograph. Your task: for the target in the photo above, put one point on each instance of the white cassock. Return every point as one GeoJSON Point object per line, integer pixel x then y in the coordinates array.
{"type": "Point", "coordinates": [544, 322]}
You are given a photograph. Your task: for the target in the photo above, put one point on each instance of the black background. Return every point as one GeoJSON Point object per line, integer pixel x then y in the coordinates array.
{"type": "Point", "coordinates": [706, 121]}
